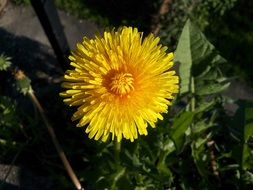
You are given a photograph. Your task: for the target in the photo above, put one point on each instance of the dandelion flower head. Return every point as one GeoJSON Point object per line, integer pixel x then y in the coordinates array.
{"type": "Point", "coordinates": [121, 83]}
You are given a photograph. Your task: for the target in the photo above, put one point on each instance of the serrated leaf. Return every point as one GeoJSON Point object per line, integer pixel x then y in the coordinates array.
{"type": "Point", "coordinates": [165, 172]}
{"type": "Point", "coordinates": [211, 74]}
{"type": "Point", "coordinates": [204, 106]}
{"type": "Point", "coordinates": [211, 88]}
{"type": "Point", "coordinates": [183, 56]}
{"type": "Point", "coordinates": [168, 146]}
{"type": "Point", "coordinates": [7, 112]}
{"type": "Point", "coordinates": [247, 177]}
{"type": "Point", "coordinates": [200, 127]}
{"type": "Point", "coordinates": [242, 123]}
{"type": "Point", "coordinates": [5, 62]}
{"type": "Point", "coordinates": [205, 73]}
{"type": "Point", "coordinates": [162, 167]}
{"type": "Point", "coordinates": [23, 84]}
{"type": "Point", "coordinates": [195, 54]}
{"type": "Point", "coordinates": [199, 158]}
{"type": "Point", "coordinates": [114, 178]}
{"type": "Point", "coordinates": [180, 125]}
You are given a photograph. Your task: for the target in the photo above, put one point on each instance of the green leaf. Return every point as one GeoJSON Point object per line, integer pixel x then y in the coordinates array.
{"type": "Point", "coordinates": [200, 127]}
{"type": "Point", "coordinates": [164, 171]}
{"type": "Point", "coordinates": [205, 106]}
{"type": "Point", "coordinates": [114, 178]}
{"type": "Point", "coordinates": [183, 56]}
{"type": "Point", "coordinates": [248, 177]}
{"type": "Point", "coordinates": [23, 83]}
{"type": "Point", "coordinates": [180, 125]}
{"type": "Point", "coordinates": [211, 88]}
{"type": "Point", "coordinates": [4, 62]}
{"type": "Point", "coordinates": [8, 115]}
{"type": "Point", "coordinates": [195, 54]}
{"type": "Point", "coordinates": [242, 123]}
{"type": "Point", "coordinates": [168, 146]}
{"type": "Point", "coordinates": [200, 156]}
{"type": "Point", "coordinates": [210, 74]}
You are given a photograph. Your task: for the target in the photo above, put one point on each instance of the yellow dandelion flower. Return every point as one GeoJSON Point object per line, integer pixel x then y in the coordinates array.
{"type": "Point", "coordinates": [121, 83]}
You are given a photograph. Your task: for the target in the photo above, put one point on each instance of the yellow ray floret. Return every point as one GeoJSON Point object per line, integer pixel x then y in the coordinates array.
{"type": "Point", "coordinates": [121, 83]}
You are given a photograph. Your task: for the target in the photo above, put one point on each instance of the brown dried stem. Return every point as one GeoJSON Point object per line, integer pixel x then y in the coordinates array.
{"type": "Point", "coordinates": [3, 3]}
{"type": "Point", "coordinates": [19, 75]}
{"type": "Point", "coordinates": [58, 147]}
{"type": "Point", "coordinates": [164, 9]}
{"type": "Point", "coordinates": [210, 145]}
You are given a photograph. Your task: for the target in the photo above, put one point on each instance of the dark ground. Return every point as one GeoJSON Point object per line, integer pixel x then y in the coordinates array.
{"type": "Point", "coordinates": [23, 39]}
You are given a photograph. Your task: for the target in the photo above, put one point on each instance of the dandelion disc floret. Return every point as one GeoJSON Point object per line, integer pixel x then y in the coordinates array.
{"type": "Point", "coordinates": [121, 83]}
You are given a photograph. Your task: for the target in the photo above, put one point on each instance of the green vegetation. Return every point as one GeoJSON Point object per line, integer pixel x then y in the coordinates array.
{"type": "Point", "coordinates": [228, 20]}
{"type": "Point", "coordinates": [199, 144]}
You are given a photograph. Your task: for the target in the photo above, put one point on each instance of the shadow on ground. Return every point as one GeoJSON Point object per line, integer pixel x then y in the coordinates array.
{"type": "Point", "coordinates": [28, 55]}
{"type": "Point", "coordinates": [40, 65]}
{"type": "Point", "coordinates": [22, 179]}
{"type": "Point", "coordinates": [35, 59]}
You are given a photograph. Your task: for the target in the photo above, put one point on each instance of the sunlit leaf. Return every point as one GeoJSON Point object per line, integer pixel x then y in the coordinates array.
{"type": "Point", "coordinates": [180, 125]}
{"type": "Point", "coordinates": [211, 88]}
{"type": "Point", "coordinates": [8, 115]}
{"type": "Point", "coordinates": [200, 127]}
{"type": "Point", "coordinates": [5, 62]}
{"type": "Point", "coordinates": [183, 56]}
{"type": "Point", "coordinates": [248, 177]}
{"type": "Point", "coordinates": [195, 54]}
{"type": "Point", "coordinates": [23, 83]}
{"type": "Point", "coordinates": [242, 124]}
{"type": "Point", "coordinates": [200, 156]}
{"type": "Point", "coordinates": [205, 106]}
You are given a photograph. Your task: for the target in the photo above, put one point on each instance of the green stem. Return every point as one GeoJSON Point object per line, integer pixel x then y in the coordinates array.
{"type": "Point", "coordinates": [117, 149]}
{"type": "Point", "coordinates": [193, 103]}
{"type": "Point", "coordinates": [162, 157]}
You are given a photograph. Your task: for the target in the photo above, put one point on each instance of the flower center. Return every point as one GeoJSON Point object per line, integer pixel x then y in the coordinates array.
{"type": "Point", "coordinates": [122, 83]}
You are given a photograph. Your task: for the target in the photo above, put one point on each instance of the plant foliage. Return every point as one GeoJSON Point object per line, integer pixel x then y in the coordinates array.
{"type": "Point", "coordinates": [4, 62]}
{"type": "Point", "coordinates": [194, 150]}
{"type": "Point", "coordinates": [197, 145]}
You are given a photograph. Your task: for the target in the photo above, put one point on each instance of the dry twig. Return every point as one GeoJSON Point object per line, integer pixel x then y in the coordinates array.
{"type": "Point", "coordinates": [210, 145]}
{"type": "Point", "coordinates": [164, 9]}
{"type": "Point", "coordinates": [19, 75]}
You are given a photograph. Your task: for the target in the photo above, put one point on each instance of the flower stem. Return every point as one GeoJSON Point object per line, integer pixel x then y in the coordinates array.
{"type": "Point", "coordinates": [117, 149]}
{"type": "Point", "coordinates": [193, 94]}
